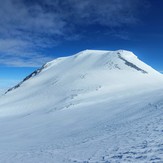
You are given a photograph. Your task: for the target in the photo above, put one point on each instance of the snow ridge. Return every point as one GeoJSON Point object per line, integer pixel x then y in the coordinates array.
{"type": "Point", "coordinates": [90, 56]}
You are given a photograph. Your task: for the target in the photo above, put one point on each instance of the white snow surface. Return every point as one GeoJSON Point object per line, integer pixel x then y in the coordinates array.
{"type": "Point", "coordinates": [92, 107]}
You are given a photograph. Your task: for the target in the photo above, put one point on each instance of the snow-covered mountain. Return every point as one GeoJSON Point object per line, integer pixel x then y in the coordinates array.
{"type": "Point", "coordinates": [94, 106]}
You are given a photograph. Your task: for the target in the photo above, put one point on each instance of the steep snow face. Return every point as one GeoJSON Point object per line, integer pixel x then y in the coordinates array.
{"type": "Point", "coordinates": [87, 74]}
{"type": "Point", "coordinates": [94, 106]}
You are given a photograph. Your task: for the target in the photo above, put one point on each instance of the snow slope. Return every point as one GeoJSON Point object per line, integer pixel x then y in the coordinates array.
{"type": "Point", "coordinates": [94, 106]}
{"type": "Point", "coordinates": [2, 91]}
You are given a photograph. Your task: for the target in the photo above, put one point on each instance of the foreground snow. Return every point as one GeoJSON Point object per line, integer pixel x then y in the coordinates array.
{"type": "Point", "coordinates": [96, 106]}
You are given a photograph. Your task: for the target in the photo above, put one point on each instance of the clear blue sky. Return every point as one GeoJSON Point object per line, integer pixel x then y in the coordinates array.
{"type": "Point", "coordinates": [33, 32]}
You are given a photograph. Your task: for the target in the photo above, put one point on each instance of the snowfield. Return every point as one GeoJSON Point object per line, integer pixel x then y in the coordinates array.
{"type": "Point", "coordinates": [92, 107]}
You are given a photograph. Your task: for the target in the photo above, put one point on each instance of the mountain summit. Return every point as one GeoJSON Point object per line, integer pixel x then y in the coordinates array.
{"type": "Point", "coordinates": [94, 106]}
{"type": "Point", "coordinates": [117, 62]}
{"type": "Point", "coordinates": [68, 78]}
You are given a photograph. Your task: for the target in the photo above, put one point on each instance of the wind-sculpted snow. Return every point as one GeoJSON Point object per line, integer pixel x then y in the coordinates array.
{"type": "Point", "coordinates": [92, 107]}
